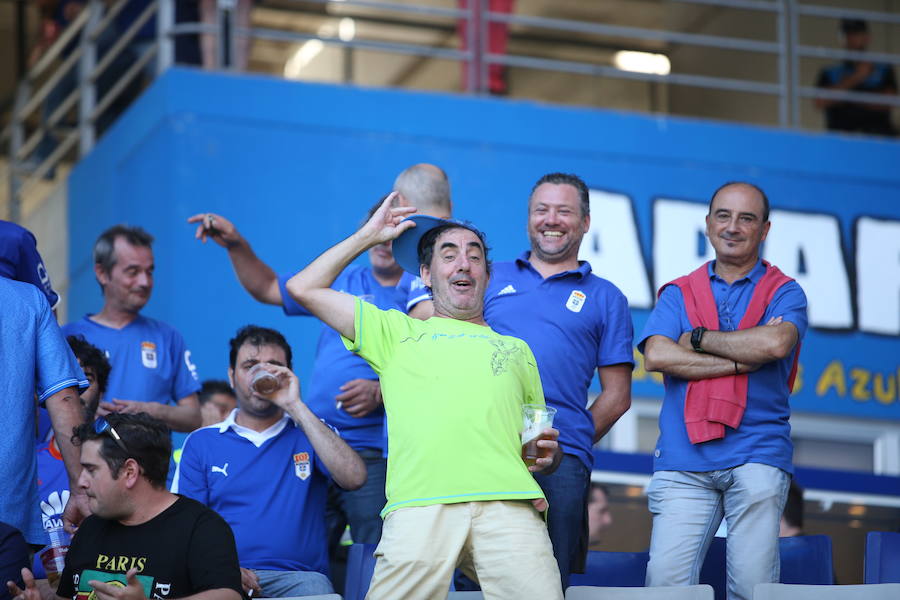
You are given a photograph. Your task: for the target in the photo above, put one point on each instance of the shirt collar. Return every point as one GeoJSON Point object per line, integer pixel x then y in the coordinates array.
{"type": "Point", "coordinates": [755, 274]}
{"type": "Point", "coordinates": [583, 270]}
{"type": "Point", "coordinates": [256, 437]}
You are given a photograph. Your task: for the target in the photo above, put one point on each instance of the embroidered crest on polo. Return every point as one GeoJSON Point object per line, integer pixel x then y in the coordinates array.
{"type": "Point", "coordinates": [576, 301]}
{"type": "Point", "coordinates": [507, 290]}
{"type": "Point", "coordinates": [148, 354]}
{"type": "Point", "coordinates": [301, 465]}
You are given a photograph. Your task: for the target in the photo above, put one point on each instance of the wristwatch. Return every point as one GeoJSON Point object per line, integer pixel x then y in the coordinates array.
{"type": "Point", "coordinates": [696, 337]}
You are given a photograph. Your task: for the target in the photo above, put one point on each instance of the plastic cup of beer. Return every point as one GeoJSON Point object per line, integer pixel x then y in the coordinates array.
{"type": "Point", "coordinates": [536, 418]}
{"type": "Point", "coordinates": [53, 557]}
{"type": "Point", "coordinates": [262, 382]}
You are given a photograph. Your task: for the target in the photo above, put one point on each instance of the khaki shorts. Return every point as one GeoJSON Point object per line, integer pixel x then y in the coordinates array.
{"type": "Point", "coordinates": [502, 544]}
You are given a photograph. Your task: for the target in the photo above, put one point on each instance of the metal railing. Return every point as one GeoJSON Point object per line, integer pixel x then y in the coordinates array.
{"type": "Point", "coordinates": [76, 62]}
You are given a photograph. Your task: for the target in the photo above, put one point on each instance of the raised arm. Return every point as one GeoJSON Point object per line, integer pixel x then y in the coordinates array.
{"type": "Point", "coordinates": [311, 286]}
{"type": "Point", "coordinates": [346, 467]}
{"type": "Point", "coordinates": [255, 276]}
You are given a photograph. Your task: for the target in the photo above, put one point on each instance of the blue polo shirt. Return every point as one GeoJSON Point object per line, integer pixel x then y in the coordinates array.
{"type": "Point", "coordinates": [764, 435]}
{"type": "Point", "coordinates": [19, 259]}
{"type": "Point", "coordinates": [35, 360]}
{"type": "Point", "coordinates": [150, 361]}
{"type": "Point", "coordinates": [335, 365]}
{"type": "Point", "coordinates": [269, 486]}
{"type": "Point", "coordinates": [574, 322]}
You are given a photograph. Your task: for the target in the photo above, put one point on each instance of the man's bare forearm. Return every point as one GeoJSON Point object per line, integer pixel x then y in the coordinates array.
{"type": "Point", "coordinates": [185, 416]}
{"type": "Point", "coordinates": [66, 413]}
{"type": "Point", "coordinates": [756, 345]}
{"type": "Point", "coordinates": [346, 467]}
{"type": "Point", "coordinates": [665, 356]}
{"type": "Point", "coordinates": [613, 401]}
{"type": "Point", "coordinates": [255, 276]}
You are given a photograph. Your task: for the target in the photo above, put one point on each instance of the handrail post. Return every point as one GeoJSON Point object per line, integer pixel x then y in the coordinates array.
{"type": "Point", "coordinates": [784, 74]}
{"type": "Point", "coordinates": [794, 70]}
{"type": "Point", "coordinates": [16, 139]}
{"type": "Point", "coordinates": [225, 37]}
{"type": "Point", "coordinates": [87, 87]}
{"type": "Point", "coordinates": [165, 20]}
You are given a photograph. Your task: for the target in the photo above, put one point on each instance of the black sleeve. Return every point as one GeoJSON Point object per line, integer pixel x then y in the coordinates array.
{"type": "Point", "coordinates": [213, 555]}
{"type": "Point", "coordinates": [822, 80]}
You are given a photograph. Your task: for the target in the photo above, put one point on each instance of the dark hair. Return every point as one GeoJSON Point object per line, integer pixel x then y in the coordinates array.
{"type": "Point", "coordinates": [567, 179]}
{"type": "Point", "coordinates": [793, 507]}
{"type": "Point", "coordinates": [104, 247]}
{"type": "Point", "coordinates": [426, 243]}
{"type": "Point", "coordinates": [258, 336]}
{"type": "Point", "coordinates": [758, 189]}
{"type": "Point", "coordinates": [374, 208]}
{"type": "Point", "coordinates": [211, 387]}
{"type": "Point", "coordinates": [601, 487]}
{"type": "Point", "coordinates": [147, 439]}
{"type": "Point", "coordinates": [849, 26]}
{"type": "Point", "coordinates": [91, 357]}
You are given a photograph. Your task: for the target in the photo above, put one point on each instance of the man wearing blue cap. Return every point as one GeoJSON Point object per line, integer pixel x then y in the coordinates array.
{"type": "Point", "coordinates": [575, 323]}
{"type": "Point", "coordinates": [458, 491]}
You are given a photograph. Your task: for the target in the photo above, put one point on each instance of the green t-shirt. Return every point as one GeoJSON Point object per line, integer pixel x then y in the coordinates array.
{"type": "Point", "coordinates": [453, 392]}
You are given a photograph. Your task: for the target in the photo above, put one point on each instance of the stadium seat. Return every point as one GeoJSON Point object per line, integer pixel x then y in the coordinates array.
{"type": "Point", "coordinates": [687, 592]}
{"type": "Point", "coordinates": [882, 562]}
{"type": "Point", "coordinates": [360, 566]}
{"type": "Point", "coordinates": [613, 569]}
{"type": "Point", "coordinates": [805, 559]}
{"type": "Point", "coordinates": [787, 591]}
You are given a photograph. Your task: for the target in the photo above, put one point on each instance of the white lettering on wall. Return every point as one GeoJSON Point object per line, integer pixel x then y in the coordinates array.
{"type": "Point", "coordinates": [679, 239]}
{"type": "Point", "coordinates": [807, 247]}
{"type": "Point", "coordinates": [878, 275]}
{"type": "Point", "coordinates": [613, 248]}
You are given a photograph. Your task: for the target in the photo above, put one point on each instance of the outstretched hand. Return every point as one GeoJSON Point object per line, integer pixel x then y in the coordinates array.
{"type": "Point", "coordinates": [388, 221]}
{"type": "Point", "coordinates": [30, 592]}
{"type": "Point", "coordinates": [217, 228]}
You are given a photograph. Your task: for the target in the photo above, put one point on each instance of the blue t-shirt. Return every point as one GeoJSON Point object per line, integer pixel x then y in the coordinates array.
{"type": "Point", "coordinates": [272, 494]}
{"type": "Point", "coordinates": [764, 435]}
{"type": "Point", "coordinates": [574, 322]}
{"type": "Point", "coordinates": [414, 289]}
{"type": "Point", "coordinates": [150, 361]}
{"type": "Point", "coordinates": [35, 357]}
{"type": "Point", "coordinates": [19, 259]}
{"type": "Point", "coordinates": [53, 493]}
{"type": "Point", "coordinates": [335, 365]}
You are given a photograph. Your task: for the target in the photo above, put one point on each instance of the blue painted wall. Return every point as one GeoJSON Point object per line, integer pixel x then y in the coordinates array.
{"type": "Point", "coordinates": [297, 165]}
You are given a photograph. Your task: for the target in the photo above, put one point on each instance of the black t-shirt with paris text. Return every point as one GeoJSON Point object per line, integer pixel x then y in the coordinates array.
{"type": "Point", "coordinates": [184, 550]}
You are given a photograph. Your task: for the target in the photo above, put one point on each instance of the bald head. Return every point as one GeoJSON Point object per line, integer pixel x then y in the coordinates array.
{"type": "Point", "coordinates": [425, 187]}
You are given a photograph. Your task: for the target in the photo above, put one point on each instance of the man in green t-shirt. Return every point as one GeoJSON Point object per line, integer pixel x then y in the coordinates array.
{"type": "Point", "coordinates": [458, 492]}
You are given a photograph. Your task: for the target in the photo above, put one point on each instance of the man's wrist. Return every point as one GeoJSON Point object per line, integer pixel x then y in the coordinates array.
{"type": "Point", "coordinates": [697, 338]}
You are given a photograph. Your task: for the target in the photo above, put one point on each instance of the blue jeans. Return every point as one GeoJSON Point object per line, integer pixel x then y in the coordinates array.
{"type": "Point", "coordinates": [361, 509]}
{"type": "Point", "coordinates": [13, 557]}
{"type": "Point", "coordinates": [567, 491]}
{"type": "Point", "coordinates": [283, 584]}
{"type": "Point", "coordinates": [687, 509]}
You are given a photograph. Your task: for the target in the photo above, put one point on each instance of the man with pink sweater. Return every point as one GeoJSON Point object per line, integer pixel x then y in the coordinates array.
{"type": "Point", "coordinates": [727, 338]}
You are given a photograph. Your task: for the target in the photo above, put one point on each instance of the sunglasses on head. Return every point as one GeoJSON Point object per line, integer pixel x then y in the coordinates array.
{"type": "Point", "coordinates": [101, 426]}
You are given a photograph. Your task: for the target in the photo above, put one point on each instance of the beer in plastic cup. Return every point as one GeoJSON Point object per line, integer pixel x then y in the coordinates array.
{"type": "Point", "coordinates": [263, 382]}
{"type": "Point", "coordinates": [53, 557]}
{"type": "Point", "coordinates": [536, 418]}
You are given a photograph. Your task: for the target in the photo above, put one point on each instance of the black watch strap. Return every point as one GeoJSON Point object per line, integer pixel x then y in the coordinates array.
{"type": "Point", "coordinates": [697, 337]}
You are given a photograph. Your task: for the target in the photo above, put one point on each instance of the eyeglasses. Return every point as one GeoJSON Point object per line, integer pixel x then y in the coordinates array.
{"type": "Point", "coordinates": [101, 426]}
